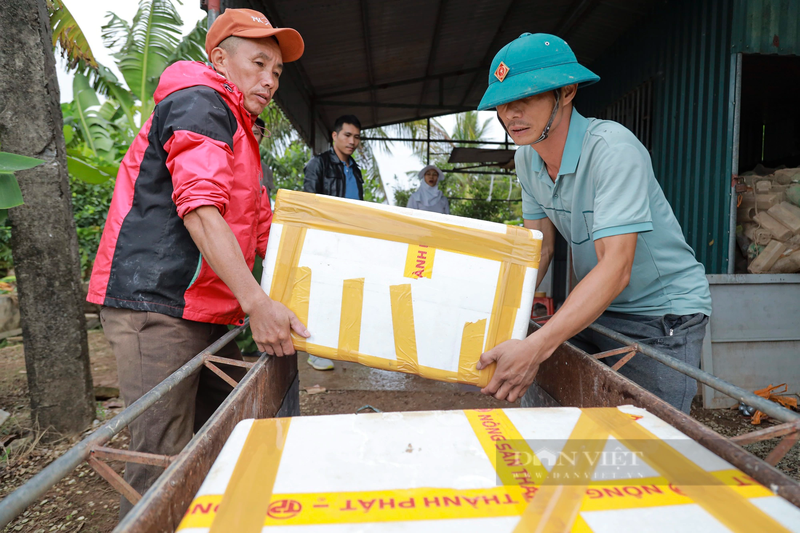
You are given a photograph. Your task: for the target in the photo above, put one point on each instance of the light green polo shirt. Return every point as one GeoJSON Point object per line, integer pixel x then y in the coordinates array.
{"type": "Point", "coordinates": [605, 187]}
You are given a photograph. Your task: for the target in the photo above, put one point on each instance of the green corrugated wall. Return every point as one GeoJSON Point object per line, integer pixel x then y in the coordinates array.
{"type": "Point", "coordinates": [766, 27]}
{"type": "Point", "coordinates": [684, 47]}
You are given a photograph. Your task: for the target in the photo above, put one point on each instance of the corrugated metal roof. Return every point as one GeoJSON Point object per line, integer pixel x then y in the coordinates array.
{"type": "Point", "coordinates": [390, 61]}
{"type": "Point", "coordinates": [766, 27]}
{"type": "Point", "coordinates": [683, 49]}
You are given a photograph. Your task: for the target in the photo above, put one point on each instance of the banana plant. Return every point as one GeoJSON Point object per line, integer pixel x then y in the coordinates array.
{"type": "Point", "coordinates": [67, 36]}
{"type": "Point", "coordinates": [150, 44]}
{"type": "Point", "coordinates": [10, 194]}
{"type": "Point", "coordinates": [97, 136]}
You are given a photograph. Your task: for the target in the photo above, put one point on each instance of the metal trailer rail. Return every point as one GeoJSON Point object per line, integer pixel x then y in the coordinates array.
{"type": "Point", "coordinates": [570, 377]}
{"type": "Point", "coordinates": [281, 373]}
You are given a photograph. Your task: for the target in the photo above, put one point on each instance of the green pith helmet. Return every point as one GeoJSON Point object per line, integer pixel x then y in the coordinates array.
{"type": "Point", "coordinates": [531, 64]}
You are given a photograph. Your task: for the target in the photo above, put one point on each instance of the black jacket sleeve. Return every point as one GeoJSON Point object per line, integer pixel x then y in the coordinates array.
{"type": "Point", "coordinates": [313, 172]}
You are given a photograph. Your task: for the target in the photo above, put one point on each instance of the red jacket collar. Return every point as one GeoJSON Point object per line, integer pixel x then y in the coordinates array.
{"type": "Point", "coordinates": [183, 74]}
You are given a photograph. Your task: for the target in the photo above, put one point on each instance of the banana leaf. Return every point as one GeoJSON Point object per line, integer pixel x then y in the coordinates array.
{"type": "Point", "coordinates": [94, 127]}
{"type": "Point", "coordinates": [89, 172]}
{"type": "Point", "coordinates": [10, 195]}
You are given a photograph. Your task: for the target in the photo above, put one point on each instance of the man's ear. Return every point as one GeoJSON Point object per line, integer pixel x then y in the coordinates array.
{"type": "Point", "coordinates": [219, 60]}
{"type": "Point", "coordinates": [568, 93]}
{"type": "Point", "coordinates": [333, 136]}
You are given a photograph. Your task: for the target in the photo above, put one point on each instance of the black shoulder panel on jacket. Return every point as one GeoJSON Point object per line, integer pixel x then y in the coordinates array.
{"type": "Point", "coordinates": [199, 109]}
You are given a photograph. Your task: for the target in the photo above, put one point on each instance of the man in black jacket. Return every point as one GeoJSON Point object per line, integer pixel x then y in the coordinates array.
{"type": "Point", "coordinates": [335, 172]}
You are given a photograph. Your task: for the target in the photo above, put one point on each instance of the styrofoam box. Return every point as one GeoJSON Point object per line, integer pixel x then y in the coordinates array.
{"type": "Point", "coordinates": [436, 472]}
{"type": "Point", "coordinates": [461, 287]}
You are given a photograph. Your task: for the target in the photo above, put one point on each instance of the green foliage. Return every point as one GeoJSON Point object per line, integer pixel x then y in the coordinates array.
{"type": "Point", "coordinates": [68, 36]}
{"type": "Point", "coordinates": [10, 193]}
{"type": "Point", "coordinates": [496, 209]}
{"type": "Point", "coordinates": [472, 195]}
{"type": "Point", "coordinates": [95, 129]}
{"type": "Point", "coordinates": [90, 204]}
{"type": "Point", "coordinates": [288, 168]}
{"type": "Point", "coordinates": [145, 46]}
{"type": "Point", "coordinates": [6, 261]}
{"type": "Point", "coordinates": [401, 196]}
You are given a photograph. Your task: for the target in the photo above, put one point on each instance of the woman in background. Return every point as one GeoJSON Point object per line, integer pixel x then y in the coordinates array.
{"type": "Point", "coordinates": [428, 197]}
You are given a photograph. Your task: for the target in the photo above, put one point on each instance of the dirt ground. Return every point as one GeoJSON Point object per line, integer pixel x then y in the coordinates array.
{"type": "Point", "coordinates": [85, 502]}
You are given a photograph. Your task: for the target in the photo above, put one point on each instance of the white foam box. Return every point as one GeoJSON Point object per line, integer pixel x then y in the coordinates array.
{"type": "Point", "coordinates": [400, 289]}
{"type": "Point", "coordinates": [549, 469]}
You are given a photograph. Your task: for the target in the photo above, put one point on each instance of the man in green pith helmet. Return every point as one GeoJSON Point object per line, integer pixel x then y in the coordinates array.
{"type": "Point", "coordinates": [592, 181]}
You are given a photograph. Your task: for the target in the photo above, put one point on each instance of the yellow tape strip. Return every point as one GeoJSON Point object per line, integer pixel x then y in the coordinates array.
{"type": "Point", "coordinates": [471, 350]}
{"type": "Point", "coordinates": [507, 299]}
{"type": "Point", "coordinates": [320, 212]}
{"type": "Point", "coordinates": [510, 455]}
{"type": "Point", "coordinates": [243, 509]}
{"type": "Point", "coordinates": [556, 506]}
{"type": "Point", "coordinates": [726, 505]}
{"type": "Point", "coordinates": [350, 319]}
{"type": "Point", "coordinates": [298, 302]}
{"type": "Point", "coordinates": [438, 503]}
{"type": "Point", "coordinates": [292, 239]}
{"type": "Point", "coordinates": [405, 339]}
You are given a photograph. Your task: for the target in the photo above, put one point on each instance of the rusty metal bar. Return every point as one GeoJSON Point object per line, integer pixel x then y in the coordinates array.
{"type": "Point", "coordinates": [782, 448]}
{"type": "Point", "coordinates": [113, 454]}
{"type": "Point", "coordinates": [16, 502]}
{"type": "Point", "coordinates": [228, 361]}
{"type": "Point", "coordinates": [619, 364]}
{"type": "Point", "coordinates": [225, 377]}
{"type": "Point", "coordinates": [609, 353]}
{"type": "Point", "coordinates": [769, 433]}
{"type": "Point", "coordinates": [262, 393]}
{"type": "Point", "coordinates": [767, 407]}
{"type": "Point", "coordinates": [115, 480]}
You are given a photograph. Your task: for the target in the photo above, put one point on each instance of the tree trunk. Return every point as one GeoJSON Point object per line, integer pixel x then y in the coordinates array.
{"type": "Point", "coordinates": [44, 242]}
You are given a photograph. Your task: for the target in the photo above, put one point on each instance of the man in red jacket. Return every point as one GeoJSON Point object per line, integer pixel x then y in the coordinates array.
{"type": "Point", "coordinates": [187, 219]}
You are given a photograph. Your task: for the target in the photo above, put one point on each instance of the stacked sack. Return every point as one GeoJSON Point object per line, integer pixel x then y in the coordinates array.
{"type": "Point", "coordinates": [769, 217]}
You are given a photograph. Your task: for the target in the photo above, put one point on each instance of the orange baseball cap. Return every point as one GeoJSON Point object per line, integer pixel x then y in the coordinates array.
{"type": "Point", "coordinates": [250, 24]}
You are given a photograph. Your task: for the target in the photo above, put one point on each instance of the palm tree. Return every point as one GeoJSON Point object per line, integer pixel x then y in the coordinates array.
{"type": "Point", "coordinates": [474, 192]}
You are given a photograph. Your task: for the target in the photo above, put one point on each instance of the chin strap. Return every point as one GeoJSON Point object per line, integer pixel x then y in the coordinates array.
{"type": "Point", "coordinates": [546, 130]}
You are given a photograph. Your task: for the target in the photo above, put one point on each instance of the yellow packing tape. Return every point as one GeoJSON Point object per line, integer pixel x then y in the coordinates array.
{"type": "Point", "coordinates": [506, 303]}
{"type": "Point", "coordinates": [405, 339]}
{"type": "Point", "coordinates": [510, 455]}
{"type": "Point", "coordinates": [470, 353]}
{"type": "Point", "coordinates": [243, 509]}
{"type": "Point", "coordinates": [722, 502]}
{"type": "Point", "coordinates": [526, 487]}
{"type": "Point", "coordinates": [296, 208]}
{"type": "Point", "coordinates": [350, 319]}
{"type": "Point", "coordinates": [419, 261]}
{"type": "Point", "coordinates": [447, 503]}
{"type": "Point", "coordinates": [556, 505]}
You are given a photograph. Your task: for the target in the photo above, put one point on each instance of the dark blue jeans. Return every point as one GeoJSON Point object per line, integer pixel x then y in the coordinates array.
{"type": "Point", "coordinates": [678, 336]}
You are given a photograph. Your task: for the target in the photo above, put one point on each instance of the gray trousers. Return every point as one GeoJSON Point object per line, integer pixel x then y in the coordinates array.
{"type": "Point", "coordinates": [148, 348]}
{"type": "Point", "coordinates": [678, 336]}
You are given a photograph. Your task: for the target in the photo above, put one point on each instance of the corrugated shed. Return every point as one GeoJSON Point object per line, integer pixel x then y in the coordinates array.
{"type": "Point", "coordinates": [683, 48]}
{"type": "Point", "coordinates": [766, 27]}
{"type": "Point", "coordinates": [385, 60]}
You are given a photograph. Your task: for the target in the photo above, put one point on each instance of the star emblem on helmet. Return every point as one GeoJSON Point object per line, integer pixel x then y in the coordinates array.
{"type": "Point", "coordinates": [501, 72]}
